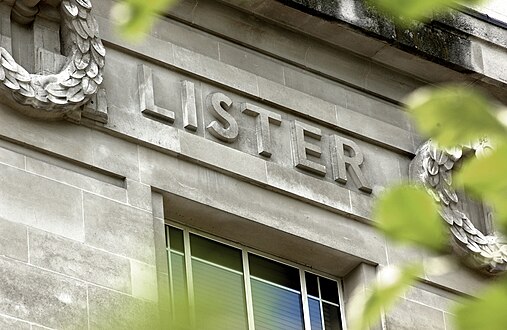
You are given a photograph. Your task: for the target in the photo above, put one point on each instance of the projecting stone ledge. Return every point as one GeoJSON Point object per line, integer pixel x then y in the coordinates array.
{"type": "Point", "coordinates": [444, 40]}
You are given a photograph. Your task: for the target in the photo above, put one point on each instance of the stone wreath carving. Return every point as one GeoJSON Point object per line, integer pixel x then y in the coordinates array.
{"type": "Point", "coordinates": [53, 95]}
{"type": "Point", "coordinates": [433, 167]}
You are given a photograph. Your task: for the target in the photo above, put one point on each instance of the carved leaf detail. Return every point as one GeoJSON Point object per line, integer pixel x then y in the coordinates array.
{"type": "Point", "coordinates": [435, 171]}
{"type": "Point", "coordinates": [80, 77]}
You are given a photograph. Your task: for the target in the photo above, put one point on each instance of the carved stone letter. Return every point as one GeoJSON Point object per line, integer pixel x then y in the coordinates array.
{"type": "Point", "coordinates": [301, 148]}
{"type": "Point", "coordinates": [218, 104]}
{"type": "Point", "coordinates": [340, 162]}
{"type": "Point", "coordinates": [147, 95]}
{"type": "Point", "coordinates": [188, 104]}
{"type": "Point", "coordinates": [264, 118]}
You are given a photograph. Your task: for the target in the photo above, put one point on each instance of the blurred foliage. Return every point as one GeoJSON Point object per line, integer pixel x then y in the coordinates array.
{"type": "Point", "coordinates": [486, 313]}
{"type": "Point", "coordinates": [136, 17]}
{"type": "Point", "coordinates": [410, 202]}
{"type": "Point", "coordinates": [467, 116]}
{"type": "Point", "coordinates": [364, 309]}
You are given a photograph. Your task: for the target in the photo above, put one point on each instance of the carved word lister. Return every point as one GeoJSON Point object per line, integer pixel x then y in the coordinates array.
{"type": "Point", "coordinates": [346, 156]}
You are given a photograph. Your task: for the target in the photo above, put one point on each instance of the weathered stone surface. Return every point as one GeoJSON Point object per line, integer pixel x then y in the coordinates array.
{"type": "Point", "coordinates": [42, 203]}
{"type": "Point", "coordinates": [408, 315]}
{"type": "Point", "coordinates": [139, 195]}
{"type": "Point", "coordinates": [262, 206]}
{"type": "Point", "coordinates": [112, 310]}
{"type": "Point", "coordinates": [77, 180]}
{"type": "Point", "coordinates": [79, 260]}
{"type": "Point", "coordinates": [115, 155]}
{"type": "Point", "coordinates": [13, 240]}
{"type": "Point", "coordinates": [13, 324]}
{"type": "Point", "coordinates": [42, 297]}
{"type": "Point", "coordinates": [250, 61]}
{"type": "Point", "coordinates": [432, 296]}
{"type": "Point", "coordinates": [12, 158]}
{"type": "Point", "coordinates": [144, 281]}
{"type": "Point", "coordinates": [215, 70]}
{"type": "Point", "coordinates": [119, 228]}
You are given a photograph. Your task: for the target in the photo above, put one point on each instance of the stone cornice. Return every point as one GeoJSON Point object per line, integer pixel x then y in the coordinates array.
{"type": "Point", "coordinates": [459, 42]}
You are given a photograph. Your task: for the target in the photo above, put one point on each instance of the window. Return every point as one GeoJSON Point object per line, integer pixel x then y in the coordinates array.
{"type": "Point", "coordinates": [222, 286]}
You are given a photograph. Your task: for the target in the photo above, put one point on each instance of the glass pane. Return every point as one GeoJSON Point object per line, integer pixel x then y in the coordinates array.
{"type": "Point", "coordinates": [215, 252]}
{"type": "Point", "coordinates": [311, 284]}
{"type": "Point", "coordinates": [315, 316]}
{"type": "Point", "coordinates": [276, 308]}
{"type": "Point", "coordinates": [329, 290]}
{"type": "Point", "coordinates": [332, 319]}
{"type": "Point", "coordinates": [179, 286]}
{"type": "Point", "coordinates": [275, 272]}
{"type": "Point", "coordinates": [219, 297]}
{"type": "Point", "coordinates": [176, 239]}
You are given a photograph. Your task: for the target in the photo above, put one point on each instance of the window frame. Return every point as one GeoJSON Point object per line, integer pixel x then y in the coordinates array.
{"type": "Point", "coordinates": [245, 250]}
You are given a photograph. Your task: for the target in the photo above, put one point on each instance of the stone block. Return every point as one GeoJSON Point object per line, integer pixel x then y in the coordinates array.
{"type": "Point", "coordinates": [79, 260]}
{"type": "Point", "coordinates": [149, 46]}
{"type": "Point", "coordinates": [461, 280]}
{"type": "Point", "coordinates": [160, 244]}
{"type": "Point", "coordinates": [375, 130]}
{"type": "Point", "coordinates": [12, 158]}
{"type": "Point", "coordinates": [42, 203]}
{"type": "Point", "coordinates": [118, 228]}
{"type": "Point", "coordinates": [298, 102]}
{"type": "Point", "coordinates": [376, 108]}
{"type": "Point", "coordinates": [253, 62]}
{"type": "Point", "coordinates": [384, 81]}
{"type": "Point", "coordinates": [248, 29]}
{"type": "Point", "coordinates": [144, 281]}
{"type": "Point", "coordinates": [449, 321]}
{"type": "Point", "coordinates": [358, 280]}
{"type": "Point", "coordinates": [157, 205]}
{"type": "Point", "coordinates": [214, 70]}
{"type": "Point", "coordinates": [337, 64]}
{"type": "Point", "coordinates": [188, 37]}
{"type": "Point", "coordinates": [139, 195]}
{"type": "Point", "coordinates": [113, 310]}
{"type": "Point", "coordinates": [222, 157]}
{"type": "Point", "coordinates": [115, 155]}
{"type": "Point", "coordinates": [75, 179]}
{"type": "Point", "coordinates": [42, 297]}
{"type": "Point", "coordinates": [431, 296]}
{"type": "Point", "coordinates": [13, 240]}
{"type": "Point", "coordinates": [10, 323]}
{"type": "Point", "coordinates": [301, 185]}
{"type": "Point", "coordinates": [316, 85]}
{"type": "Point", "coordinates": [59, 137]}
{"type": "Point", "coordinates": [409, 315]}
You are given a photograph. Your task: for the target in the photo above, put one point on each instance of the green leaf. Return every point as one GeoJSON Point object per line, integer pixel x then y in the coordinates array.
{"type": "Point", "coordinates": [366, 307]}
{"type": "Point", "coordinates": [415, 9]}
{"type": "Point", "coordinates": [485, 177]}
{"type": "Point", "coordinates": [136, 17]}
{"type": "Point", "coordinates": [407, 214]}
{"type": "Point", "coordinates": [454, 115]}
{"type": "Point", "coordinates": [487, 312]}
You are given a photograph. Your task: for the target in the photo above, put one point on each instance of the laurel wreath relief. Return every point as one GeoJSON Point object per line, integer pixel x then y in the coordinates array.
{"type": "Point", "coordinates": [433, 168]}
{"type": "Point", "coordinates": [79, 79]}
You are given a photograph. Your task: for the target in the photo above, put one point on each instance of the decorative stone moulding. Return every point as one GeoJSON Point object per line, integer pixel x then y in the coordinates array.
{"type": "Point", "coordinates": [63, 94]}
{"type": "Point", "coordinates": [433, 168]}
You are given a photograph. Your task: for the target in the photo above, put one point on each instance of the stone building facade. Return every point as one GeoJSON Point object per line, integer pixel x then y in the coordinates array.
{"type": "Point", "coordinates": [262, 129]}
